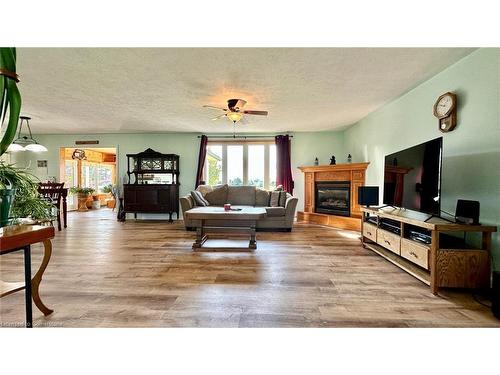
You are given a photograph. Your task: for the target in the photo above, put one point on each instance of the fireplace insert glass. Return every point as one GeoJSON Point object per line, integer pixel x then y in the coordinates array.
{"type": "Point", "coordinates": [333, 198]}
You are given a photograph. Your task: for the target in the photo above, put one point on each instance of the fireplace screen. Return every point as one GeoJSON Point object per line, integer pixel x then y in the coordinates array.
{"type": "Point", "coordinates": [333, 198]}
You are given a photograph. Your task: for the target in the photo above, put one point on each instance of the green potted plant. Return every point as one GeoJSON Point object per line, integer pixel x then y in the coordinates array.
{"type": "Point", "coordinates": [83, 195]}
{"type": "Point", "coordinates": [108, 189]}
{"type": "Point", "coordinates": [18, 188]}
{"type": "Point", "coordinates": [26, 202]}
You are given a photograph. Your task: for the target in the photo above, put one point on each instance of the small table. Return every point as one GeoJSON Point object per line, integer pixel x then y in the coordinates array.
{"type": "Point", "coordinates": [21, 237]}
{"type": "Point", "coordinates": [216, 219]}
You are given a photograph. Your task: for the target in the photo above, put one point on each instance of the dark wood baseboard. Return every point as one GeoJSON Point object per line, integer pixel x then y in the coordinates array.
{"type": "Point", "coordinates": [342, 222]}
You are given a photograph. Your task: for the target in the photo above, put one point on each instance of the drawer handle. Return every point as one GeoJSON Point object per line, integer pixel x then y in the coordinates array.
{"type": "Point", "coordinates": [387, 242]}
{"type": "Point", "coordinates": [369, 233]}
{"type": "Point", "coordinates": [415, 255]}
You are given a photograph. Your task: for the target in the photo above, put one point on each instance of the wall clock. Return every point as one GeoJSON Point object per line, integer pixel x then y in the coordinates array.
{"type": "Point", "coordinates": [445, 109]}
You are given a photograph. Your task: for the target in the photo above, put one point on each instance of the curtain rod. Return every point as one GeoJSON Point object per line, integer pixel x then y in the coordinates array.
{"type": "Point", "coordinates": [244, 136]}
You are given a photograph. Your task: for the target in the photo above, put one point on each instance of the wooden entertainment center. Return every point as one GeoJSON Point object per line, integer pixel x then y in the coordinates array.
{"type": "Point", "coordinates": [446, 261]}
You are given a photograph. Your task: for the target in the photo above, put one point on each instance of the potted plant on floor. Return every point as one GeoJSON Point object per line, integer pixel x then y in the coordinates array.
{"type": "Point", "coordinates": [83, 195]}
{"type": "Point", "coordinates": [110, 201]}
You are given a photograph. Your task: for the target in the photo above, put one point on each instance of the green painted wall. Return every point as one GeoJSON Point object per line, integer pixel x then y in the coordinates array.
{"type": "Point", "coordinates": [305, 147]}
{"type": "Point", "coordinates": [471, 153]}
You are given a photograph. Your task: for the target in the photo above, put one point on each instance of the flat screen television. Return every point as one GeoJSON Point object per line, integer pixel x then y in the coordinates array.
{"type": "Point", "coordinates": [412, 177]}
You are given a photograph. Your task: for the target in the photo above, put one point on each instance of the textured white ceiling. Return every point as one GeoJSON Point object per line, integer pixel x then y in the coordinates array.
{"type": "Point", "coordinates": [110, 90]}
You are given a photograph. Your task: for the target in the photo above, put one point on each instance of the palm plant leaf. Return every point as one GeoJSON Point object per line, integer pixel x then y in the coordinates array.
{"type": "Point", "coordinates": [10, 98]}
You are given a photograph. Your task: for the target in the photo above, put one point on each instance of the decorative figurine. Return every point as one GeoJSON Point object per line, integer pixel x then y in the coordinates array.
{"type": "Point", "coordinates": [316, 161]}
{"type": "Point", "coordinates": [332, 160]}
{"type": "Point", "coordinates": [349, 158]}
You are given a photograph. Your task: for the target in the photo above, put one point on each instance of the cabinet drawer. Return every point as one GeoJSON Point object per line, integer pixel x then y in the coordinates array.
{"type": "Point", "coordinates": [414, 252]}
{"type": "Point", "coordinates": [389, 240]}
{"type": "Point", "coordinates": [370, 231]}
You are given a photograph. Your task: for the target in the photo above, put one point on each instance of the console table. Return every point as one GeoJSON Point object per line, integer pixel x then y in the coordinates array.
{"type": "Point", "coordinates": [20, 238]}
{"type": "Point", "coordinates": [445, 262]}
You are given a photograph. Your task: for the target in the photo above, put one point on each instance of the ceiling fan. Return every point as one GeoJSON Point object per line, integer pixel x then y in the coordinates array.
{"type": "Point", "coordinates": [234, 111]}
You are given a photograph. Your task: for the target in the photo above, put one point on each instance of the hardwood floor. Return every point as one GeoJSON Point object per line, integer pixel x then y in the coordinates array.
{"type": "Point", "coordinates": [144, 274]}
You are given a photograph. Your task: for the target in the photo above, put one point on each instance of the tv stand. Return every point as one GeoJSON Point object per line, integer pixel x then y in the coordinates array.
{"type": "Point", "coordinates": [441, 263]}
{"type": "Point", "coordinates": [439, 217]}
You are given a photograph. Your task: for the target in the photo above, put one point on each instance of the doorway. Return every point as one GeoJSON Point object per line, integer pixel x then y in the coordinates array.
{"type": "Point", "coordinates": [89, 167]}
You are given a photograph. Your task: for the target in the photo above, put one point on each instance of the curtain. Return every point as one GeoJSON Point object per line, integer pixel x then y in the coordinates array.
{"type": "Point", "coordinates": [201, 160]}
{"type": "Point", "coordinates": [283, 163]}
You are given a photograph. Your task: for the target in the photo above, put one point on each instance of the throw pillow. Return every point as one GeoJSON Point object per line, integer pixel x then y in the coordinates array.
{"type": "Point", "coordinates": [282, 200]}
{"type": "Point", "coordinates": [204, 189]}
{"type": "Point", "coordinates": [218, 196]}
{"type": "Point", "coordinates": [277, 199]}
{"type": "Point", "coordinates": [198, 199]}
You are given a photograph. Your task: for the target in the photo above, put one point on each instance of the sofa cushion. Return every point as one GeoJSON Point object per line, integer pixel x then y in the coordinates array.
{"type": "Point", "coordinates": [241, 195]}
{"type": "Point", "coordinates": [204, 189]}
{"type": "Point", "coordinates": [198, 199]}
{"type": "Point", "coordinates": [275, 211]}
{"type": "Point", "coordinates": [261, 198]}
{"type": "Point", "coordinates": [218, 196]}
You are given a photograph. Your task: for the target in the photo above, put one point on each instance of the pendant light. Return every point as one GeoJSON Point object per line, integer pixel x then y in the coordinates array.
{"type": "Point", "coordinates": [25, 143]}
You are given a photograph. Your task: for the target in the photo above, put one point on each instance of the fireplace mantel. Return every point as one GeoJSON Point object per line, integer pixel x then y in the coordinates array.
{"type": "Point", "coordinates": [335, 167]}
{"type": "Point", "coordinates": [352, 172]}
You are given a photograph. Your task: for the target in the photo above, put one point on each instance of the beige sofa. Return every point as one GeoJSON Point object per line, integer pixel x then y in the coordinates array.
{"type": "Point", "coordinates": [278, 218]}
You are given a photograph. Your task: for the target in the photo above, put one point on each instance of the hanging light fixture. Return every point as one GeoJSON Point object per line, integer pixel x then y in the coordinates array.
{"type": "Point", "coordinates": [25, 143]}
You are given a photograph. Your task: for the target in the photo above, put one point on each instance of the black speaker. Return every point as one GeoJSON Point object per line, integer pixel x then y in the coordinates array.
{"type": "Point", "coordinates": [467, 212]}
{"type": "Point", "coordinates": [368, 195]}
{"type": "Point", "coordinates": [495, 299]}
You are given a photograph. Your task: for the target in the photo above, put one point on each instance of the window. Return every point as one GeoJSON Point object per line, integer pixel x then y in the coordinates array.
{"type": "Point", "coordinates": [96, 175]}
{"type": "Point", "coordinates": [256, 165]}
{"type": "Point", "coordinates": [235, 165]}
{"type": "Point", "coordinates": [70, 173]}
{"type": "Point", "coordinates": [239, 163]}
{"type": "Point", "coordinates": [213, 175]}
{"type": "Point", "coordinates": [272, 167]}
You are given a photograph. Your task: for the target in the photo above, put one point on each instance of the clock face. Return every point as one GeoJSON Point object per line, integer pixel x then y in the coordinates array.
{"type": "Point", "coordinates": [444, 106]}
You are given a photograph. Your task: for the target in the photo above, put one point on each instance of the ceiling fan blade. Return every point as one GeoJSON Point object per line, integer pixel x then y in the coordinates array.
{"type": "Point", "coordinates": [260, 113]}
{"type": "Point", "coordinates": [218, 117]}
{"type": "Point", "coordinates": [212, 106]}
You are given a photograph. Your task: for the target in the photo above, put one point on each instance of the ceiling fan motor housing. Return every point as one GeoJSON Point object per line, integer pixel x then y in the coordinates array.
{"type": "Point", "coordinates": [235, 104]}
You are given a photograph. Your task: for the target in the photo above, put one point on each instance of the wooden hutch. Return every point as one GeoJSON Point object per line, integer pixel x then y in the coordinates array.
{"type": "Point", "coordinates": [153, 183]}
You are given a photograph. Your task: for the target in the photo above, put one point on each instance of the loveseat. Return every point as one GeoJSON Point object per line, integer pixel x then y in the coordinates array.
{"type": "Point", "coordinates": [280, 217]}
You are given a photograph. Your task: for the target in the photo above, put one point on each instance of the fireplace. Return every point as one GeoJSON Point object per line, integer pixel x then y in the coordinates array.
{"type": "Point", "coordinates": [333, 198]}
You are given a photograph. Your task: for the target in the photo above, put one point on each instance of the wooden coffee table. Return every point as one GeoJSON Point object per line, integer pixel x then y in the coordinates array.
{"type": "Point", "coordinates": [216, 219]}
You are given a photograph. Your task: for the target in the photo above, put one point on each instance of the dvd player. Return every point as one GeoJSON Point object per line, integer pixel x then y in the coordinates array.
{"type": "Point", "coordinates": [391, 226]}
{"type": "Point", "coordinates": [419, 237]}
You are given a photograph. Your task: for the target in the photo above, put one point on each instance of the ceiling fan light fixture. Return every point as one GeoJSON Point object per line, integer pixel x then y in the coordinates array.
{"type": "Point", "coordinates": [234, 116]}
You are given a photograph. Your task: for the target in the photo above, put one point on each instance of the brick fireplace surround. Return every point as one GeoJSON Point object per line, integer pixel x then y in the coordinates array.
{"type": "Point", "coordinates": [354, 173]}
